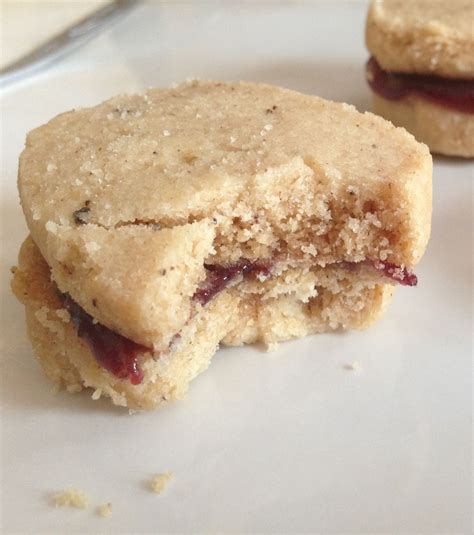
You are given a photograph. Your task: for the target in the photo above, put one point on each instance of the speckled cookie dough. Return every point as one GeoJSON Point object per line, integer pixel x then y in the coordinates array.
{"type": "Point", "coordinates": [423, 36]}
{"type": "Point", "coordinates": [168, 222]}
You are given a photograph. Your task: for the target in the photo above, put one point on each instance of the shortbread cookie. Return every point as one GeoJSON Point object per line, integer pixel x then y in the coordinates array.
{"type": "Point", "coordinates": [430, 123]}
{"type": "Point", "coordinates": [130, 374]}
{"type": "Point", "coordinates": [165, 223]}
{"type": "Point", "coordinates": [423, 36]}
{"type": "Point", "coordinates": [422, 69]}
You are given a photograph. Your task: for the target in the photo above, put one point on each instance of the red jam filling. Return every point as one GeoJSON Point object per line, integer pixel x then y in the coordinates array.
{"type": "Point", "coordinates": [398, 274]}
{"type": "Point", "coordinates": [448, 92]}
{"type": "Point", "coordinates": [114, 352]}
{"type": "Point", "coordinates": [218, 277]}
{"type": "Point", "coordinates": [119, 355]}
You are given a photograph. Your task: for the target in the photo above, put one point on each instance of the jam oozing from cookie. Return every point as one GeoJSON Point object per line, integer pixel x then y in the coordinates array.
{"type": "Point", "coordinates": [112, 351]}
{"type": "Point", "coordinates": [451, 93]}
{"type": "Point", "coordinates": [119, 355]}
{"type": "Point", "coordinates": [398, 274]}
{"type": "Point", "coordinates": [218, 277]}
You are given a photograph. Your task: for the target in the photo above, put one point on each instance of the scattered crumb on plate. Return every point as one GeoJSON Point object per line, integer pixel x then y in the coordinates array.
{"type": "Point", "coordinates": [71, 498]}
{"type": "Point", "coordinates": [353, 366]}
{"type": "Point", "coordinates": [159, 482]}
{"type": "Point", "coordinates": [96, 394]}
{"type": "Point", "coordinates": [104, 510]}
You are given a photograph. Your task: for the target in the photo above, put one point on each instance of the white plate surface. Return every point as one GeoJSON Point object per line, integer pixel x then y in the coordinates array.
{"type": "Point", "coordinates": [284, 442]}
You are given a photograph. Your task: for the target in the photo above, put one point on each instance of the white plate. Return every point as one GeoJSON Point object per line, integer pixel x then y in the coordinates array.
{"type": "Point", "coordinates": [284, 442]}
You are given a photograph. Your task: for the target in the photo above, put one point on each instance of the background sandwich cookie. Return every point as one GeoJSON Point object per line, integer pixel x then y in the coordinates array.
{"type": "Point", "coordinates": [422, 70]}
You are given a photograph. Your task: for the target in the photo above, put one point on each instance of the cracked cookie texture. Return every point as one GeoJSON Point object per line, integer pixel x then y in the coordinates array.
{"type": "Point", "coordinates": [138, 203]}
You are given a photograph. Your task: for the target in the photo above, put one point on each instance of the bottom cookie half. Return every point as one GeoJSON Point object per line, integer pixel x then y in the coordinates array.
{"type": "Point", "coordinates": [445, 131]}
{"type": "Point", "coordinates": [294, 304]}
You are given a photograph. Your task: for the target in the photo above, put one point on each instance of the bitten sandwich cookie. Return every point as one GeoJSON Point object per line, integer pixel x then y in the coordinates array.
{"type": "Point", "coordinates": [166, 223]}
{"type": "Point", "coordinates": [422, 70]}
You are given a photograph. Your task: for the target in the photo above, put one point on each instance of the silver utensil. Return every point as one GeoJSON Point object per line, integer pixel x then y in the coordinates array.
{"type": "Point", "coordinates": [65, 42]}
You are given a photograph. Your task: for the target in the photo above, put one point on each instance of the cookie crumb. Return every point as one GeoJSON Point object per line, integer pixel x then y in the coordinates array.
{"type": "Point", "coordinates": [309, 249]}
{"type": "Point", "coordinates": [351, 190]}
{"type": "Point", "coordinates": [71, 498]}
{"type": "Point", "coordinates": [159, 482]}
{"type": "Point", "coordinates": [104, 510]}
{"type": "Point", "coordinates": [270, 347]}
{"type": "Point", "coordinates": [353, 366]}
{"type": "Point", "coordinates": [166, 133]}
{"type": "Point", "coordinates": [51, 227]}
{"type": "Point", "coordinates": [92, 247]}
{"type": "Point", "coordinates": [63, 315]}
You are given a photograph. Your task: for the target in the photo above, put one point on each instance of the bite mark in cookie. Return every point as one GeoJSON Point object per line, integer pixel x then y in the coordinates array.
{"type": "Point", "coordinates": [120, 355]}
{"type": "Point", "coordinates": [214, 213]}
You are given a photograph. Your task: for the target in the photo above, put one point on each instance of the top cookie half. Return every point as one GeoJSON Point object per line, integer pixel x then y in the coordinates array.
{"type": "Point", "coordinates": [130, 199]}
{"type": "Point", "coordinates": [423, 36]}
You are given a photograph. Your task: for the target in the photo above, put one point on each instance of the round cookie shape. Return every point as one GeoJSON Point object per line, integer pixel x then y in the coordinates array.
{"type": "Point", "coordinates": [166, 223]}
{"type": "Point", "coordinates": [175, 156]}
{"type": "Point", "coordinates": [128, 201]}
{"type": "Point", "coordinates": [423, 37]}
